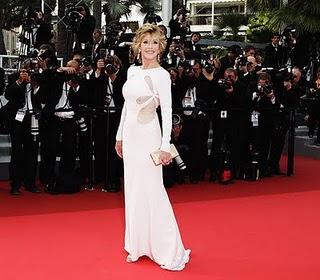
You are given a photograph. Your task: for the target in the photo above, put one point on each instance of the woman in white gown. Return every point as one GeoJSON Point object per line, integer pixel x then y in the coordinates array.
{"type": "Point", "coordinates": [151, 228]}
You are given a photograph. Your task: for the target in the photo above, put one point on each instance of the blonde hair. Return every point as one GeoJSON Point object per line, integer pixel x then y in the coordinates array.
{"type": "Point", "coordinates": [144, 30]}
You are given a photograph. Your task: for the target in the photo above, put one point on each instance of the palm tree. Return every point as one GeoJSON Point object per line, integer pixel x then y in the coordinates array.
{"type": "Point", "coordinates": [304, 15]}
{"type": "Point", "coordinates": [12, 14]}
{"type": "Point", "coordinates": [114, 9]}
{"type": "Point", "coordinates": [263, 5]}
{"type": "Point", "coordinates": [233, 21]}
{"type": "Point", "coordinates": [97, 9]}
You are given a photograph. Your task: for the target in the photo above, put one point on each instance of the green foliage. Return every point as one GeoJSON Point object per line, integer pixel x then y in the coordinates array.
{"type": "Point", "coordinates": [263, 5]}
{"type": "Point", "coordinates": [114, 9]}
{"type": "Point", "coordinates": [233, 22]}
{"type": "Point", "coordinates": [13, 13]}
{"type": "Point", "coordinates": [260, 28]}
{"type": "Point", "coordinates": [304, 15]}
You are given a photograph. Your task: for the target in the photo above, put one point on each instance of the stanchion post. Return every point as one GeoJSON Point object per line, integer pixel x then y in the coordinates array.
{"type": "Point", "coordinates": [291, 139]}
{"type": "Point", "coordinates": [91, 149]}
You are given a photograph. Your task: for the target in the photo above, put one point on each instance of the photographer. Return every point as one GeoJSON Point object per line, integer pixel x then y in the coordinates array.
{"type": "Point", "coordinates": [230, 126]}
{"type": "Point", "coordinates": [196, 121]}
{"type": "Point", "coordinates": [287, 100]}
{"type": "Point", "coordinates": [275, 56]}
{"type": "Point", "coordinates": [264, 104]}
{"type": "Point", "coordinates": [151, 17]}
{"type": "Point", "coordinates": [86, 27]}
{"type": "Point", "coordinates": [110, 77]}
{"type": "Point", "coordinates": [179, 25]}
{"type": "Point", "coordinates": [87, 80]}
{"type": "Point", "coordinates": [192, 48]}
{"type": "Point", "coordinates": [69, 93]}
{"type": "Point", "coordinates": [228, 61]}
{"type": "Point", "coordinates": [312, 117]}
{"type": "Point", "coordinates": [246, 67]}
{"type": "Point", "coordinates": [98, 44]}
{"type": "Point", "coordinates": [175, 54]}
{"type": "Point", "coordinates": [22, 113]}
{"type": "Point", "coordinates": [44, 32]}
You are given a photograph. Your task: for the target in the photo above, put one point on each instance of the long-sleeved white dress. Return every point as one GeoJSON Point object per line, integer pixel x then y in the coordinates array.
{"type": "Point", "coordinates": [151, 227]}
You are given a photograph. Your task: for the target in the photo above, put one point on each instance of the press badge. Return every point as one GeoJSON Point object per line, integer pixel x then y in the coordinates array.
{"type": "Point", "coordinates": [20, 116]}
{"type": "Point", "coordinates": [255, 118]}
{"type": "Point", "coordinates": [223, 114]}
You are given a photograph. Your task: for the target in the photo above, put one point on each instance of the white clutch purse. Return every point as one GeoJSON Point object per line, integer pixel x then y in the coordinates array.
{"type": "Point", "coordinates": [155, 155]}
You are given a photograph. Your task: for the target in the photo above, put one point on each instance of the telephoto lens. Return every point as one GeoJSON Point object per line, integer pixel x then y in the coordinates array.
{"type": "Point", "coordinates": [180, 163]}
{"type": "Point", "coordinates": [82, 125]}
{"type": "Point", "coordinates": [34, 125]}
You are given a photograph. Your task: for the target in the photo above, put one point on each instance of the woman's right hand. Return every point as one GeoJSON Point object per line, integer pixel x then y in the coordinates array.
{"type": "Point", "coordinates": [118, 148]}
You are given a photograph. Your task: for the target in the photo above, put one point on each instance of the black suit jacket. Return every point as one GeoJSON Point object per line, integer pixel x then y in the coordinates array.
{"type": "Point", "coordinates": [274, 57]}
{"type": "Point", "coordinates": [100, 90]}
{"type": "Point", "coordinates": [2, 83]}
{"type": "Point", "coordinates": [192, 51]}
{"type": "Point", "coordinates": [16, 96]}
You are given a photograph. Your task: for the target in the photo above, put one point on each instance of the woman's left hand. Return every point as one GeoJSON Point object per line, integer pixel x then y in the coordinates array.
{"type": "Point", "coordinates": [165, 158]}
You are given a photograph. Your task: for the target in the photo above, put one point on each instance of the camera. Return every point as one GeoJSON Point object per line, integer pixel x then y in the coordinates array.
{"type": "Point", "coordinates": [243, 61]}
{"type": "Point", "coordinates": [208, 67]}
{"type": "Point", "coordinates": [110, 66]}
{"type": "Point", "coordinates": [264, 90]}
{"type": "Point", "coordinates": [187, 67]}
{"type": "Point", "coordinates": [176, 120]}
{"type": "Point", "coordinates": [225, 83]}
{"type": "Point", "coordinates": [86, 61]}
{"type": "Point", "coordinates": [76, 78]}
{"type": "Point", "coordinates": [180, 163]}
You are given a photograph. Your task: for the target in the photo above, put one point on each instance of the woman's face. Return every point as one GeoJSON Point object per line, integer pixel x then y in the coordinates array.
{"type": "Point", "coordinates": [150, 48]}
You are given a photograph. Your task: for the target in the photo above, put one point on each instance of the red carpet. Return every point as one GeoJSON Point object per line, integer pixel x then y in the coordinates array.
{"type": "Point", "coordinates": [253, 231]}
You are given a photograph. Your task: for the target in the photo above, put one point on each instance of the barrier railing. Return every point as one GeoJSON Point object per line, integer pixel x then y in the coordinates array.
{"type": "Point", "coordinates": [93, 112]}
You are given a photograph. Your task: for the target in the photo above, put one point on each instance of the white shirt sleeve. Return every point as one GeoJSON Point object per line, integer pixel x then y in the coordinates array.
{"type": "Point", "coordinates": [163, 87]}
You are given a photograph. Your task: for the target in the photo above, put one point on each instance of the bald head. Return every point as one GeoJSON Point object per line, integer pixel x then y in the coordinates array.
{"type": "Point", "coordinates": [74, 64]}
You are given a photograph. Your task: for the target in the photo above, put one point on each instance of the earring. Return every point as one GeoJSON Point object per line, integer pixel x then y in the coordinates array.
{"type": "Point", "coordinates": [158, 57]}
{"type": "Point", "coordinates": [138, 55]}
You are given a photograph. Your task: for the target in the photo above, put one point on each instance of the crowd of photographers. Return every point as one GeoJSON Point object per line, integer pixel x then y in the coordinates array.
{"type": "Point", "coordinates": [244, 98]}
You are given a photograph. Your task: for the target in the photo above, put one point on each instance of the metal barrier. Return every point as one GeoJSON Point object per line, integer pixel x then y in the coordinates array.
{"type": "Point", "coordinates": [10, 63]}
{"type": "Point", "coordinates": [91, 113]}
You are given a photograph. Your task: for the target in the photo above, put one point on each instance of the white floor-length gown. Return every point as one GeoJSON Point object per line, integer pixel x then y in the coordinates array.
{"type": "Point", "coordinates": [151, 228]}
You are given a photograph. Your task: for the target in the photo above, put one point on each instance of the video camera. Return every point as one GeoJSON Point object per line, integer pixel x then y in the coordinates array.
{"type": "Point", "coordinates": [112, 34]}
{"type": "Point", "coordinates": [151, 17]}
{"type": "Point", "coordinates": [183, 11]}
{"type": "Point", "coordinates": [73, 15]}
